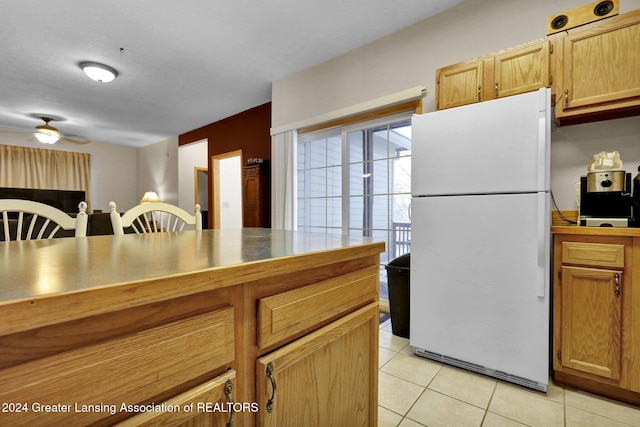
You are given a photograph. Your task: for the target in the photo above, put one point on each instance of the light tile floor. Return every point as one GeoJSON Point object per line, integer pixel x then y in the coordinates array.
{"type": "Point", "coordinates": [414, 391]}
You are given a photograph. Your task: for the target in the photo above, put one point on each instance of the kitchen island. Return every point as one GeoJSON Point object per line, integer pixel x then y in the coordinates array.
{"type": "Point", "coordinates": [257, 326]}
{"type": "Point", "coordinates": [596, 310]}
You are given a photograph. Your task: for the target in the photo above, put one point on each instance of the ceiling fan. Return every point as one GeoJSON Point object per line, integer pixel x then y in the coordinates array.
{"type": "Point", "coordinates": [47, 134]}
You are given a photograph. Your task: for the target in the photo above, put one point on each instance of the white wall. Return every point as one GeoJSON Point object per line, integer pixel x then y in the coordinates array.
{"type": "Point", "coordinates": [190, 156]}
{"type": "Point", "coordinates": [113, 168]}
{"type": "Point", "coordinates": [410, 57]}
{"type": "Point", "coordinates": [157, 170]}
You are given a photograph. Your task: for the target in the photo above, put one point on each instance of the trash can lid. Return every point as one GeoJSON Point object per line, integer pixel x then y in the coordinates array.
{"type": "Point", "coordinates": [401, 261]}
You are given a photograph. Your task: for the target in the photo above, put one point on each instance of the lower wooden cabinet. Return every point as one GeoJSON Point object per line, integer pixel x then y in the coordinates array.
{"type": "Point", "coordinates": [208, 405]}
{"type": "Point", "coordinates": [591, 321]}
{"type": "Point", "coordinates": [324, 378]}
{"type": "Point", "coordinates": [596, 330]}
{"type": "Point", "coordinates": [190, 359]}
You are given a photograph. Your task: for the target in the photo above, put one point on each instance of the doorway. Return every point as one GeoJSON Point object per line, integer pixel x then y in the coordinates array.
{"type": "Point", "coordinates": [201, 192]}
{"type": "Point", "coordinates": [226, 185]}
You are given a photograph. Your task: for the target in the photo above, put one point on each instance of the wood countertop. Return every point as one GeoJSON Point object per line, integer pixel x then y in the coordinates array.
{"type": "Point", "coordinates": [594, 231]}
{"type": "Point", "coordinates": [68, 278]}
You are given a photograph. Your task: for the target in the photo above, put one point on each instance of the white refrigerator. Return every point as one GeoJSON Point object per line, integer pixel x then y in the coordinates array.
{"type": "Point", "coordinates": [480, 244]}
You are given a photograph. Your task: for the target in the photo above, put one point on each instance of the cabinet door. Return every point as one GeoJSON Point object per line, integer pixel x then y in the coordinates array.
{"type": "Point", "coordinates": [591, 320]}
{"type": "Point", "coordinates": [459, 84]}
{"type": "Point", "coordinates": [600, 68]}
{"type": "Point", "coordinates": [522, 70]}
{"type": "Point", "coordinates": [209, 405]}
{"type": "Point", "coordinates": [326, 378]}
{"type": "Point", "coordinates": [255, 192]}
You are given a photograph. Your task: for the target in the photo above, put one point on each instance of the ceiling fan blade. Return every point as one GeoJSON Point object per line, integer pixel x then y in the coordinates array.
{"type": "Point", "coordinates": [74, 139]}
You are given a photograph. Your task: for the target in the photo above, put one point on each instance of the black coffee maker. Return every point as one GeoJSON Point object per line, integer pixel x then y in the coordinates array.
{"type": "Point", "coordinates": [636, 199]}
{"type": "Point", "coordinates": [606, 199]}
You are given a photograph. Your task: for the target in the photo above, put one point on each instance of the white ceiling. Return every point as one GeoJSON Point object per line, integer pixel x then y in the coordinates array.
{"type": "Point", "coordinates": [182, 64]}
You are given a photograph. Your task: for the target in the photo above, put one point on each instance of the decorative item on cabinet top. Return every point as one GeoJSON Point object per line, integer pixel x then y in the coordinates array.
{"type": "Point", "coordinates": [255, 161]}
{"type": "Point", "coordinates": [581, 15]}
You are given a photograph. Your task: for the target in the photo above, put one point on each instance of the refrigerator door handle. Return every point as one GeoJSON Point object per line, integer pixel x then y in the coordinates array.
{"type": "Point", "coordinates": [543, 139]}
{"type": "Point", "coordinates": [541, 241]}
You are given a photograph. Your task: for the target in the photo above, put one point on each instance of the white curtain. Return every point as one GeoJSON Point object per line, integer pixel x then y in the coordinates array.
{"type": "Point", "coordinates": [283, 180]}
{"type": "Point", "coordinates": [28, 167]}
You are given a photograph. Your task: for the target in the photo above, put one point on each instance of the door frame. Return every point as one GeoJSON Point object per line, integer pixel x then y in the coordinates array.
{"type": "Point", "coordinates": [215, 183]}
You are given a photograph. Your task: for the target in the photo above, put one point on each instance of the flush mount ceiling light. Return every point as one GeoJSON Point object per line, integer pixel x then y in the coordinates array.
{"type": "Point", "coordinates": [45, 133]}
{"type": "Point", "coordinates": [99, 72]}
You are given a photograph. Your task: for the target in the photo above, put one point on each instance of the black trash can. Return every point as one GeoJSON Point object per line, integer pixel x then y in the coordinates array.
{"type": "Point", "coordinates": [398, 282]}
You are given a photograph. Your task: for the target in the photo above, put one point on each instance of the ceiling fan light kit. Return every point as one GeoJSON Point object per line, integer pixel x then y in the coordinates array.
{"type": "Point", "coordinates": [45, 133]}
{"type": "Point", "coordinates": [99, 72]}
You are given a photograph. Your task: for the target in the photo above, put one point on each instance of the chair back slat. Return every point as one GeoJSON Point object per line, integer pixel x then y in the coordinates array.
{"type": "Point", "coordinates": [154, 217]}
{"type": "Point", "coordinates": [32, 224]}
{"type": "Point", "coordinates": [19, 229]}
{"type": "Point", "coordinates": [48, 216]}
{"type": "Point", "coordinates": [5, 222]}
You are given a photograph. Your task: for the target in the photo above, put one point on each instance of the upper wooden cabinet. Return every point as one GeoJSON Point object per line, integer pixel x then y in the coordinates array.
{"type": "Point", "coordinates": [600, 77]}
{"type": "Point", "coordinates": [459, 84]}
{"type": "Point", "coordinates": [592, 71]}
{"type": "Point", "coordinates": [509, 72]}
{"type": "Point", "coordinates": [522, 69]}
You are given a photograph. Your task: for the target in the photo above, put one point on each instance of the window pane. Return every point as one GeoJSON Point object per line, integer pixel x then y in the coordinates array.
{"type": "Point", "coordinates": [356, 179]}
{"type": "Point", "coordinates": [401, 182]}
{"type": "Point", "coordinates": [334, 151]}
{"type": "Point", "coordinates": [380, 212]}
{"type": "Point", "coordinates": [356, 212]}
{"type": "Point", "coordinates": [355, 146]}
{"type": "Point", "coordinates": [318, 153]}
{"type": "Point", "coordinates": [380, 177]}
{"type": "Point", "coordinates": [379, 144]}
{"type": "Point", "coordinates": [318, 184]}
{"type": "Point", "coordinates": [334, 181]}
{"type": "Point", "coordinates": [318, 212]}
{"type": "Point", "coordinates": [400, 139]}
{"type": "Point", "coordinates": [334, 212]}
{"type": "Point", "coordinates": [400, 206]}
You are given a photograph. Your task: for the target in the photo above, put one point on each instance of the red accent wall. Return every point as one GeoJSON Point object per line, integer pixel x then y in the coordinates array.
{"type": "Point", "coordinates": [248, 131]}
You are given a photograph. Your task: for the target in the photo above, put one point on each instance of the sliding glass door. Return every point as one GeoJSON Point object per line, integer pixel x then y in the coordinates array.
{"type": "Point", "coordinates": [357, 181]}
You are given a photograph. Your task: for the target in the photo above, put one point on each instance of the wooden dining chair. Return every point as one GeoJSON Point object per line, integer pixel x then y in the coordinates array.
{"type": "Point", "coordinates": [154, 217]}
{"type": "Point", "coordinates": [29, 220]}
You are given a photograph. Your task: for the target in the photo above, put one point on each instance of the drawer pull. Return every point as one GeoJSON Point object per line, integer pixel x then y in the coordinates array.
{"type": "Point", "coordinates": [228, 388]}
{"type": "Point", "coordinates": [273, 387]}
{"type": "Point", "coordinates": [617, 280]}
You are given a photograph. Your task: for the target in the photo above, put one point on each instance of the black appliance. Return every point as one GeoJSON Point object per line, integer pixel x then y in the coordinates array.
{"type": "Point", "coordinates": [606, 208]}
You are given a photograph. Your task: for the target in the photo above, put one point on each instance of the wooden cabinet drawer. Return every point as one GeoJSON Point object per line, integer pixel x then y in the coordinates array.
{"type": "Point", "coordinates": [299, 310]}
{"type": "Point", "coordinates": [593, 254]}
{"type": "Point", "coordinates": [128, 370]}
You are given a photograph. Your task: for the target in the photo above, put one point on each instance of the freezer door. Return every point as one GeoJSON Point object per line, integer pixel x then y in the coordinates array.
{"type": "Point", "coordinates": [479, 281]}
{"type": "Point", "coordinates": [499, 146]}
